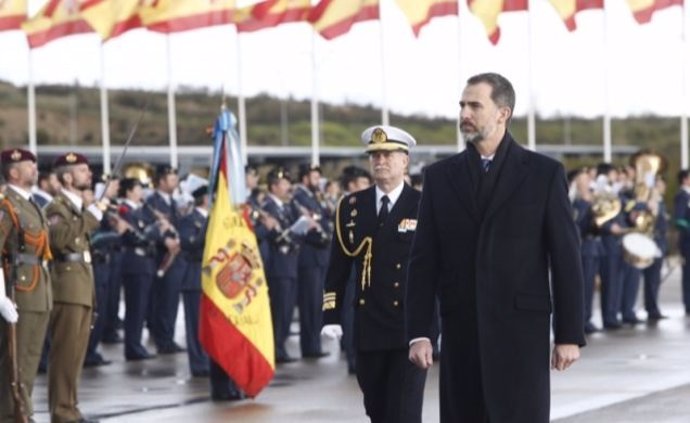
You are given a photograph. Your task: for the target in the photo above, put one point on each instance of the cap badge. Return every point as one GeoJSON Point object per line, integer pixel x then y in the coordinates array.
{"type": "Point", "coordinates": [16, 155]}
{"type": "Point", "coordinates": [379, 136]}
{"type": "Point", "coordinates": [71, 158]}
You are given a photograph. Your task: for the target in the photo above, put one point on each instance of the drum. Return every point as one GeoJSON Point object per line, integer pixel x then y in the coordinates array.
{"type": "Point", "coordinates": [639, 250]}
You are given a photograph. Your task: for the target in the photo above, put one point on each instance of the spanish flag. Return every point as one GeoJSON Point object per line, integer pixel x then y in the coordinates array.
{"type": "Point", "coordinates": [332, 18]}
{"type": "Point", "coordinates": [420, 12]}
{"type": "Point", "coordinates": [177, 15]}
{"type": "Point", "coordinates": [488, 10]}
{"type": "Point", "coordinates": [271, 13]}
{"type": "Point", "coordinates": [58, 18]}
{"type": "Point", "coordinates": [12, 14]}
{"type": "Point", "coordinates": [110, 18]}
{"type": "Point", "coordinates": [567, 9]}
{"type": "Point", "coordinates": [644, 9]}
{"type": "Point", "coordinates": [235, 325]}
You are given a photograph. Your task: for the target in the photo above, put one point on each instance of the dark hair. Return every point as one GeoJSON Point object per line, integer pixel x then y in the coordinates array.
{"type": "Point", "coordinates": [682, 174]}
{"type": "Point", "coordinates": [276, 175]}
{"type": "Point", "coordinates": [306, 169]}
{"type": "Point", "coordinates": [502, 92]}
{"type": "Point", "coordinates": [604, 168]}
{"type": "Point", "coordinates": [352, 173]}
{"type": "Point", "coordinates": [126, 185]}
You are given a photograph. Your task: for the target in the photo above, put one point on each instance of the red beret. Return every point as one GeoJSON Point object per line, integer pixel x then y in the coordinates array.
{"type": "Point", "coordinates": [16, 155]}
{"type": "Point", "coordinates": [70, 159]}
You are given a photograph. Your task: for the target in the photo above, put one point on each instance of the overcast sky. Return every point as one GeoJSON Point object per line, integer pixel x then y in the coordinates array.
{"type": "Point", "coordinates": [422, 75]}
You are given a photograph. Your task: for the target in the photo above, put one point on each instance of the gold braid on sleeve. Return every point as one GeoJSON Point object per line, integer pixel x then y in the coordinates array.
{"type": "Point", "coordinates": [365, 246]}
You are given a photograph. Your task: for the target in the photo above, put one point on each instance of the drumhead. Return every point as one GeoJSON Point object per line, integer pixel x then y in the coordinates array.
{"type": "Point", "coordinates": [640, 245]}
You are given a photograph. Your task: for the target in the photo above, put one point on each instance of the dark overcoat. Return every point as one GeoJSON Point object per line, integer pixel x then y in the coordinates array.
{"type": "Point", "coordinates": [500, 269]}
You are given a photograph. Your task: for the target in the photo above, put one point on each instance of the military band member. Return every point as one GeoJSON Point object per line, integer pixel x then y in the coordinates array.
{"type": "Point", "coordinates": [139, 251]}
{"type": "Point", "coordinates": [313, 261]}
{"type": "Point", "coordinates": [71, 222]}
{"type": "Point", "coordinates": [652, 274]}
{"type": "Point", "coordinates": [591, 249]}
{"type": "Point", "coordinates": [103, 242]}
{"type": "Point", "coordinates": [374, 231]}
{"type": "Point", "coordinates": [192, 238]}
{"type": "Point", "coordinates": [25, 252]}
{"type": "Point", "coordinates": [281, 267]}
{"type": "Point", "coordinates": [166, 286]}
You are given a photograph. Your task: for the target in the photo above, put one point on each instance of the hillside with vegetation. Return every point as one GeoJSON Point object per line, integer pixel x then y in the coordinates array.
{"type": "Point", "coordinates": [70, 115]}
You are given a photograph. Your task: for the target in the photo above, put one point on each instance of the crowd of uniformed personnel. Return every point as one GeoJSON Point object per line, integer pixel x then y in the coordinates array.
{"type": "Point", "coordinates": [73, 250]}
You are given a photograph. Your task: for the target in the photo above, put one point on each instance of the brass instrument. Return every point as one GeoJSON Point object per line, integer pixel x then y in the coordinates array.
{"type": "Point", "coordinates": [605, 206]}
{"type": "Point", "coordinates": [639, 248]}
{"type": "Point", "coordinates": [143, 172]}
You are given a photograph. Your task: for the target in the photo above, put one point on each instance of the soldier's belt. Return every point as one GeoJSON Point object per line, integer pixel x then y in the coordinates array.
{"type": "Point", "coordinates": [29, 259]}
{"type": "Point", "coordinates": [83, 257]}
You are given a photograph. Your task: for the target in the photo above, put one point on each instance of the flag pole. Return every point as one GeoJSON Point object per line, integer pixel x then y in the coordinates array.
{"type": "Point", "coordinates": [461, 82]}
{"type": "Point", "coordinates": [172, 123]}
{"type": "Point", "coordinates": [31, 103]}
{"type": "Point", "coordinates": [241, 106]}
{"type": "Point", "coordinates": [607, 112]}
{"type": "Point", "coordinates": [315, 129]}
{"type": "Point", "coordinates": [531, 124]}
{"type": "Point", "coordinates": [684, 92]}
{"type": "Point", "coordinates": [385, 117]}
{"type": "Point", "coordinates": [105, 121]}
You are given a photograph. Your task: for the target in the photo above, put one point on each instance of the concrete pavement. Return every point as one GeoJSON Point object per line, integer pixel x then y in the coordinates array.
{"type": "Point", "coordinates": [630, 375]}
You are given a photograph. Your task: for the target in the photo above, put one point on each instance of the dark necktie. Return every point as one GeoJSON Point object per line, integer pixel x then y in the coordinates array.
{"type": "Point", "coordinates": [486, 164]}
{"type": "Point", "coordinates": [383, 213]}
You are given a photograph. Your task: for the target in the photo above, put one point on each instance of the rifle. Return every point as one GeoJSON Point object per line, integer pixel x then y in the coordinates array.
{"type": "Point", "coordinates": [15, 382]}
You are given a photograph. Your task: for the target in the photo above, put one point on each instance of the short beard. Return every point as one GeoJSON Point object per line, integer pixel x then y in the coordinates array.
{"type": "Point", "coordinates": [472, 137]}
{"type": "Point", "coordinates": [82, 187]}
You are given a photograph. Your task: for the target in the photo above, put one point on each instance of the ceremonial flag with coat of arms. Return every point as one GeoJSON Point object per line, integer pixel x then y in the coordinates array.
{"type": "Point", "coordinates": [235, 325]}
{"type": "Point", "coordinates": [12, 14]}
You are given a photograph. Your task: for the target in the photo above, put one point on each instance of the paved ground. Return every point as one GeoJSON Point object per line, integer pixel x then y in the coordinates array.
{"type": "Point", "coordinates": [632, 375]}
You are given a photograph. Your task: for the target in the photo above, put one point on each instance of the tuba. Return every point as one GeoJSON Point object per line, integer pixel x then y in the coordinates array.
{"type": "Point", "coordinates": [639, 248]}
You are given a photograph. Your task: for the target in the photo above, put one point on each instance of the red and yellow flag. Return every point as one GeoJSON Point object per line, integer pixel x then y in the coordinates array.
{"type": "Point", "coordinates": [420, 12]}
{"type": "Point", "coordinates": [58, 18]}
{"type": "Point", "coordinates": [488, 10]}
{"type": "Point", "coordinates": [567, 9]}
{"type": "Point", "coordinates": [235, 325]}
{"type": "Point", "coordinates": [110, 18]}
{"type": "Point", "coordinates": [177, 15]}
{"type": "Point", "coordinates": [332, 18]}
{"type": "Point", "coordinates": [644, 9]}
{"type": "Point", "coordinates": [271, 13]}
{"type": "Point", "coordinates": [12, 14]}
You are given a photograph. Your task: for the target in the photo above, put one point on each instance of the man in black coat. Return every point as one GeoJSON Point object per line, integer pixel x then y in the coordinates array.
{"type": "Point", "coordinates": [374, 230]}
{"type": "Point", "coordinates": [494, 222]}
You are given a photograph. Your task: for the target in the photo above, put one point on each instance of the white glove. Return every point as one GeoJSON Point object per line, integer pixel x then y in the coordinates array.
{"type": "Point", "coordinates": [8, 310]}
{"type": "Point", "coordinates": [332, 331]}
